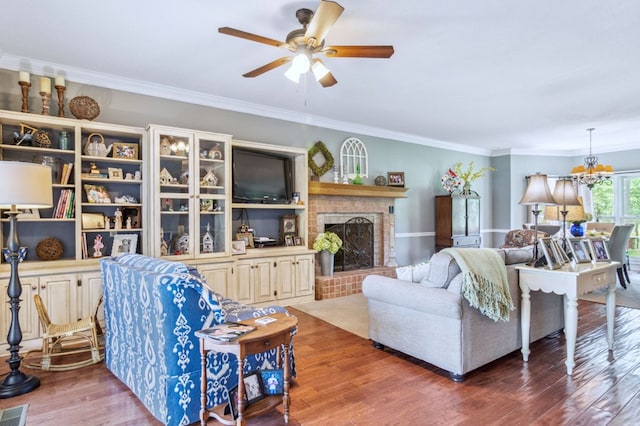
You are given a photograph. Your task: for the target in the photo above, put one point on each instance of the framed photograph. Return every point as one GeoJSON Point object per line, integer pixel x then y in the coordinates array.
{"type": "Point", "coordinates": [395, 179]}
{"type": "Point", "coordinates": [253, 387]}
{"type": "Point", "coordinates": [299, 241]}
{"type": "Point", "coordinates": [238, 247]}
{"type": "Point", "coordinates": [125, 150]}
{"type": "Point", "coordinates": [600, 251]}
{"type": "Point", "coordinates": [124, 243]}
{"type": "Point", "coordinates": [562, 255]}
{"type": "Point", "coordinates": [115, 173]}
{"type": "Point", "coordinates": [97, 194]}
{"type": "Point", "coordinates": [232, 406]}
{"type": "Point", "coordinates": [92, 221]}
{"type": "Point", "coordinates": [579, 253]}
{"type": "Point", "coordinates": [247, 238]}
{"type": "Point", "coordinates": [273, 381]}
{"type": "Point", "coordinates": [288, 226]}
{"type": "Point", "coordinates": [549, 252]}
{"type": "Point", "coordinates": [288, 240]}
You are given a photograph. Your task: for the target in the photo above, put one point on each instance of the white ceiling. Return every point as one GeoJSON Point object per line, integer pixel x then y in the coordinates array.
{"type": "Point", "coordinates": [484, 76]}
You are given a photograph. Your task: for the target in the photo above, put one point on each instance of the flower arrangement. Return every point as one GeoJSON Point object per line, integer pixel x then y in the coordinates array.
{"type": "Point", "coordinates": [327, 241]}
{"type": "Point", "coordinates": [469, 175]}
{"type": "Point", "coordinates": [587, 217]}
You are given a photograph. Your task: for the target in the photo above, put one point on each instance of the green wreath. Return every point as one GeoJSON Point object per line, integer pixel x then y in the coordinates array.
{"type": "Point", "coordinates": [319, 147]}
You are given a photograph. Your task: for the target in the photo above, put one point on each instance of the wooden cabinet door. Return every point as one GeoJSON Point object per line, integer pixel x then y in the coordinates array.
{"type": "Point", "coordinates": [286, 277]}
{"type": "Point", "coordinates": [59, 295]}
{"type": "Point", "coordinates": [243, 291]}
{"type": "Point", "coordinates": [90, 291]}
{"type": "Point", "coordinates": [264, 279]}
{"type": "Point", "coordinates": [304, 275]}
{"type": "Point", "coordinates": [28, 316]}
{"type": "Point", "coordinates": [219, 278]}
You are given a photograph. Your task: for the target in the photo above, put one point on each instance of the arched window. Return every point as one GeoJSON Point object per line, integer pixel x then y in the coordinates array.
{"type": "Point", "coordinates": [353, 154]}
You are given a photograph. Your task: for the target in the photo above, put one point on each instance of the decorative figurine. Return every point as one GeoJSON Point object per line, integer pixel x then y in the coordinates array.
{"type": "Point", "coordinates": [97, 246]}
{"type": "Point", "coordinates": [129, 222]}
{"type": "Point", "coordinates": [107, 223]}
{"type": "Point", "coordinates": [207, 241]}
{"type": "Point", "coordinates": [118, 215]}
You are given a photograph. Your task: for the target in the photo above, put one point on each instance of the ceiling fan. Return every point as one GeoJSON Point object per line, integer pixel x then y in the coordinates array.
{"type": "Point", "coordinates": [309, 40]}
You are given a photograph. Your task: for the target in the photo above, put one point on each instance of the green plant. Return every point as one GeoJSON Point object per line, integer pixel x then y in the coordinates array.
{"type": "Point", "coordinates": [327, 241]}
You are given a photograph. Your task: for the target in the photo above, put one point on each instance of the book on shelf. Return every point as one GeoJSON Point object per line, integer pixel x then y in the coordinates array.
{"type": "Point", "coordinates": [66, 173]}
{"type": "Point", "coordinates": [225, 332]}
{"type": "Point", "coordinates": [65, 207]}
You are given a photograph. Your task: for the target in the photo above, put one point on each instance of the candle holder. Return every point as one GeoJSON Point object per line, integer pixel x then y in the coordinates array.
{"type": "Point", "coordinates": [46, 98]}
{"type": "Point", "coordinates": [25, 85]}
{"type": "Point", "coordinates": [60, 90]}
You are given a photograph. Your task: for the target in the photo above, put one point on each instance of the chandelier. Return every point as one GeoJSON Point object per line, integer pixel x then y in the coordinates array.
{"type": "Point", "coordinates": [592, 173]}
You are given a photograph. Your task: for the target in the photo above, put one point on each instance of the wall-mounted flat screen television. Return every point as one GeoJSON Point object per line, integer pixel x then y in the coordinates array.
{"type": "Point", "coordinates": [261, 177]}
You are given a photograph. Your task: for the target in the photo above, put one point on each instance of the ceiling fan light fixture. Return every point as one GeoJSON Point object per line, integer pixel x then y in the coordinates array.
{"type": "Point", "coordinates": [319, 70]}
{"type": "Point", "coordinates": [301, 62]}
{"type": "Point", "coordinates": [292, 74]}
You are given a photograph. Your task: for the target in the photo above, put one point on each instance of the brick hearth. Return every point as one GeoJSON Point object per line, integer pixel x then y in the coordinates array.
{"type": "Point", "coordinates": [347, 283]}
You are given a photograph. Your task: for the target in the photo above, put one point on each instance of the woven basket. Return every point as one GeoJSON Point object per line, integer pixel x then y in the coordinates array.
{"type": "Point", "coordinates": [49, 249]}
{"type": "Point", "coordinates": [84, 107]}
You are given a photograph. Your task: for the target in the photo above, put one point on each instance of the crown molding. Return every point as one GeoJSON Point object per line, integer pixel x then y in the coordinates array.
{"type": "Point", "coordinates": [113, 82]}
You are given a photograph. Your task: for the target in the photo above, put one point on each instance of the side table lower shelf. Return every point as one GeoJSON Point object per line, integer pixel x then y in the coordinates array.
{"type": "Point", "coordinates": [266, 337]}
{"type": "Point", "coordinates": [255, 409]}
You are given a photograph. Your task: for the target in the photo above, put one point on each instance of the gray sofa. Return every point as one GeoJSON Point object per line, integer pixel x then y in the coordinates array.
{"type": "Point", "coordinates": [432, 321]}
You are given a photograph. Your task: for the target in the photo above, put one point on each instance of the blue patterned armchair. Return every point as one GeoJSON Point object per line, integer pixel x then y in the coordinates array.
{"type": "Point", "coordinates": [152, 309]}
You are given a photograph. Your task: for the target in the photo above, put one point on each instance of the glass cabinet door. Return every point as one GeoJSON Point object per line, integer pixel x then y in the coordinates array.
{"type": "Point", "coordinates": [212, 193]}
{"type": "Point", "coordinates": [192, 174]}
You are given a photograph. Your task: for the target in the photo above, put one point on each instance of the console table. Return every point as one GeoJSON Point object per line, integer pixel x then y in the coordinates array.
{"type": "Point", "coordinates": [572, 281]}
{"type": "Point", "coordinates": [265, 337]}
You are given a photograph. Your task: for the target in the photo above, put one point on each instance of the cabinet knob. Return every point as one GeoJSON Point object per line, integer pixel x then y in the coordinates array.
{"type": "Point", "coordinates": [267, 343]}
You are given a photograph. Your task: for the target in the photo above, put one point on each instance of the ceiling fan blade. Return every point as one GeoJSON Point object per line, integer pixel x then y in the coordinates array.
{"type": "Point", "coordinates": [323, 19]}
{"type": "Point", "coordinates": [250, 36]}
{"type": "Point", "coordinates": [358, 51]}
{"type": "Point", "coordinates": [268, 67]}
{"type": "Point", "coordinates": [328, 80]}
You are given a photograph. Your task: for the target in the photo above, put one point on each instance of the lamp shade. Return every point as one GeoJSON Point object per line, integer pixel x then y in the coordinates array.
{"type": "Point", "coordinates": [575, 213]}
{"type": "Point", "coordinates": [27, 185]}
{"type": "Point", "coordinates": [538, 191]}
{"type": "Point", "coordinates": [564, 193]}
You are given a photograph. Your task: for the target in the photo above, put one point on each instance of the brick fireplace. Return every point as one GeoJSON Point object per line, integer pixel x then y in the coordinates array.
{"type": "Point", "coordinates": [333, 203]}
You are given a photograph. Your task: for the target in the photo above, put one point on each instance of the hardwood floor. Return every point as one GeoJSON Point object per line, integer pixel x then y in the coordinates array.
{"type": "Point", "coordinates": [343, 380]}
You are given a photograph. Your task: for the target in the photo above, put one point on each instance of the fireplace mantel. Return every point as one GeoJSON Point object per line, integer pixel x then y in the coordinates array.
{"type": "Point", "coordinates": [340, 189]}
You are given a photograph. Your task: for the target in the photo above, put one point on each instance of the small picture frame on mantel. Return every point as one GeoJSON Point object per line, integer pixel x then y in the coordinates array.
{"type": "Point", "coordinates": [395, 179]}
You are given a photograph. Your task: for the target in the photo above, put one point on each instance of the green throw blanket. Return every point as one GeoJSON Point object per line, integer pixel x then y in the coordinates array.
{"type": "Point", "coordinates": [484, 281]}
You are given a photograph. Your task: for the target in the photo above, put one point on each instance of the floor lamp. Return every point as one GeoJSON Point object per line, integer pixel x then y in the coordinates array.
{"type": "Point", "coordinates": [565, 194]}
{"type": "Point", "coordinates": [27, 186]}
{"type": "Point", "coordinates": [536, 194]}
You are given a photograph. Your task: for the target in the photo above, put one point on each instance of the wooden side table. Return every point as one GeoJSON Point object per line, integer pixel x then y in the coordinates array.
{"type": "Point", "coordinates": [265, 337]}
{"type": "Point", "coordinates": [571, 281]}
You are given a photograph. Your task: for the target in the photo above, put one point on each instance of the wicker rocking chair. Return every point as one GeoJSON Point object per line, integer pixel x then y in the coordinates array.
{"type": "Point", "coordinates": [67, 340]}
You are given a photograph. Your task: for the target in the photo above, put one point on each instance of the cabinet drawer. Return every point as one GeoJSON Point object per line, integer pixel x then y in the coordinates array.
{"type": "Point", "coordinates": [265, 344]}
{"type": "Point", "coordinates": [470, 241]}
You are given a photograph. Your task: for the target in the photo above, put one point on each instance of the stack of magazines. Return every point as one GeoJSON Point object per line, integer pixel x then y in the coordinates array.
{"type": "Point", "coordinates": [225, 332]}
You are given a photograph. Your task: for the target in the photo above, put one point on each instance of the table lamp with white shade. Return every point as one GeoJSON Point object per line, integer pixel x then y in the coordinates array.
{"type": "Point", "coordinates": [536, 194]}
{"type": "Point", "coordinates": [27, 186]}
{"type": "Point", "coordinates": [566, 195]}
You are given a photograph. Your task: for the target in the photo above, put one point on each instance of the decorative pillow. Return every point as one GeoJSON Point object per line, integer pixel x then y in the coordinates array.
{"type": "Point", "coordinates": [414, 273]}
{"type": "Point", "coordinates": [518, 255]}
{"type": "Point", "coordinates": [521, 238]}
{"type": "Point", "coordinates": [443, 269]}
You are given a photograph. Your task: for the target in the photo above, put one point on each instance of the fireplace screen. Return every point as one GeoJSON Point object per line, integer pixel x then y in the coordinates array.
{"type": "Point", "coordinates": [357, 244]}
